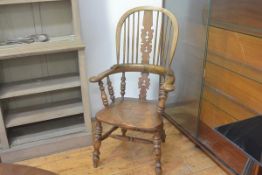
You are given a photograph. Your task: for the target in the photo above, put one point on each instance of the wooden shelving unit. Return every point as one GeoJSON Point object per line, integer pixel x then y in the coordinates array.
{"type": "Point", "coordinates": [43, 85]}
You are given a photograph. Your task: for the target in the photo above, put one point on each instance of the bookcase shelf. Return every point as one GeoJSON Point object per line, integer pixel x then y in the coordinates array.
{"type": "Point", "coordinates": [45, 112]}
{"type": "Point", "coordinates": [46, 130]}
{"type": "Point", "coordinates": [54, 45]}
{"type": "Point", "coordinates": [12, 2]}
{"type": "Point", "coordinates": [43, 85]}
{"type": "Point", "coordinates": [39, 85]}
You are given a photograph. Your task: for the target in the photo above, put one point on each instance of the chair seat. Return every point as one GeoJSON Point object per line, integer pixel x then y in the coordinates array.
{"type": "Point", "coordinates": [132, 114]}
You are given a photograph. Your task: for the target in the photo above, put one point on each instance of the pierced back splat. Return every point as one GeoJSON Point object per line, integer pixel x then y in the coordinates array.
{"type": "Point", "coordinates": [146, 49]}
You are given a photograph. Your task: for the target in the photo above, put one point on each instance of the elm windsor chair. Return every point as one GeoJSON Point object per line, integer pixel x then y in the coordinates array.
{"type": "Point", "coordinates": [146, 39]}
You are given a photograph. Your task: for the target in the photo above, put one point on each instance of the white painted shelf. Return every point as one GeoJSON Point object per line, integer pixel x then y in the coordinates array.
{"type": "Point", "coordinates": [10, 2]}
{"type": "Point", "coordinates": [39, 85]}
{"type": "Point", "coordinates": [47, 130]}
{"type": "Point", "coordinates": [54, 45]}
{"type": "Point", "coordinates": [45, 112]}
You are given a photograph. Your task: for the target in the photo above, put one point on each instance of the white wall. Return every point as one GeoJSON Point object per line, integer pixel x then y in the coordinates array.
{"type": "Point", "coordinates": [98, 21]}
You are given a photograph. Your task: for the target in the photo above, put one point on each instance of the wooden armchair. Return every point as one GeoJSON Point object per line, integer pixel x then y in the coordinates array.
{"type": "Point", "coordinates": [145, 40]}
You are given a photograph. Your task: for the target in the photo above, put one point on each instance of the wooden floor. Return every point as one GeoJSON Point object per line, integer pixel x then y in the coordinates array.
{"type": "Point", "coordinates": [179, 157]}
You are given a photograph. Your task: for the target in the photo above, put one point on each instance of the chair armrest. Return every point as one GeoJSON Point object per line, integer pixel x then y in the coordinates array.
{"type": "Point", "coordinates": [168, 73]}
{"type": "Point", "coordinates": [102, 75]}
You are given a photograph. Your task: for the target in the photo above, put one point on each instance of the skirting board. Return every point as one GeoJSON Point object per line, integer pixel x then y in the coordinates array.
{"type": "Point", "coordinates": [46, 147]}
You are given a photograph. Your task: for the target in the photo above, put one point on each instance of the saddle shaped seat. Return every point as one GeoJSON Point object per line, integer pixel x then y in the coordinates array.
{"type": "Point", "coordinates": [131, 113]}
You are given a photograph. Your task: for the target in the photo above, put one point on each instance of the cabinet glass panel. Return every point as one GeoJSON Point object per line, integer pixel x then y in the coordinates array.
{"type": "Point", "coordinates": [183, 104]}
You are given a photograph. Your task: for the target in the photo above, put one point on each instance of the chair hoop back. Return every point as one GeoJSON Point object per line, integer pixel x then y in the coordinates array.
{"type": "Point", "coordinates": [146, 35]}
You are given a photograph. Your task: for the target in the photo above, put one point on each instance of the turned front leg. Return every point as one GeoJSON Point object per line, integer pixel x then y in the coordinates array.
{"type": "Point", "coordinates": [161, 107]}
{"type": "Point", "coordinates": [97, 144]}
{"type": "Point", "coordinates": [157, 152]}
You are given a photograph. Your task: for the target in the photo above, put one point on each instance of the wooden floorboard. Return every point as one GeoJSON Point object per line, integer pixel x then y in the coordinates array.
{"type": "Point", "coordinates": [179, 157]}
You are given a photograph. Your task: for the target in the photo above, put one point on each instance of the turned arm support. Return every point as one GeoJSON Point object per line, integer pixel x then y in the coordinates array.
{"type": "Point", "coordinates": [168, 85]}
{"type": "Point", "coordinates": [165, 87]}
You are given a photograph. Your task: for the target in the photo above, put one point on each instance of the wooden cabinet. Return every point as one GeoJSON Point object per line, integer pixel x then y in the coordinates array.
{"type": "Point", "coordinates": [43, 85]}
{"type": "Point", "coordinates": [233, 74]}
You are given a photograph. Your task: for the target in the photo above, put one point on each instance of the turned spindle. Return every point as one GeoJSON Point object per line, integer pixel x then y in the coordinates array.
{"type": "Point", "coordinates": [123, 85]}
{"type": "Point", "coordinates": [103, 93]}
{"type": "Point", "coordinates": [110, 89]}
